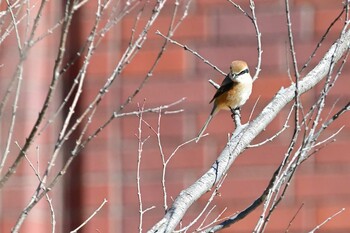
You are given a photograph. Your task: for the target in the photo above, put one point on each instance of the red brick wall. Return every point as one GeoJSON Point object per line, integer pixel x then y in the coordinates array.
{"type": "Point", "coordinates": [107, 167]}
{"type": "Point", "coordinates": [16, 193]}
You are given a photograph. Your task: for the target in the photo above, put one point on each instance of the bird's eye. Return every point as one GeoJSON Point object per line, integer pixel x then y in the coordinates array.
{"type": "Point", "coordinates": [243, 72]}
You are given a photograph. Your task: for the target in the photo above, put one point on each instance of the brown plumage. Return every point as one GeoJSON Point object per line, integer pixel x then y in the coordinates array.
{"type": "Point", "coordinates": [234, 91]}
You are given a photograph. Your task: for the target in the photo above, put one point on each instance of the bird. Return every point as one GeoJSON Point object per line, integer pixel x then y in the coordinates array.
{"type": "Point", "coordinates": [233, 92]}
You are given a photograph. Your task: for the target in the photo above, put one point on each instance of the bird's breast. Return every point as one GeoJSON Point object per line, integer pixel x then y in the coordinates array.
{"type": "Point", "coordinates": [235, 97]}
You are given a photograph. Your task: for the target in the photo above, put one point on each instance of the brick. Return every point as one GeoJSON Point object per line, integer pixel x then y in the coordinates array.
{"type": "Point", "coordinates": [324, 17]}
{"type": "Point", "coordinates": [14, 202]}
{"type": "Point", "coordinates": [162, 24]}
{"type": "Point", "coordinates": [150, 159]}
{"type": "Point", "coordinates": [93, 163]}
{"type": "Point", "coordinates": [283, 215]}
{"type": "Point", "coordinates": [339, 223]}
{"type": "Point", "coordinates": [86, 26]}
{"type": "Point", "coordinates": [304, 49]}
{"type": "Point", "coordinates": [129, 127]}
{"type": "Point", "coordinates": [267, 85]}
{"type": "Point", "coordinates": [147, 177]}
{"type": "Point", "coordinates": [338, 90]}
{"type": "Point", "coordinates": [269, 154]}
{"type": "Point", "coordinates": [204, 92]}
{"type": "Point", "coordinates": [100, 64]}
{"type": "Point", "coordinates": [222, 54]}
{"type": "Point", "coordinates": [222, 125]}
{"type": "Point", "coordinates": [333, 154]}
{"type": "Point", "coordinates": [207, 4]}
{"type": "Point", "coordinates": [245, 225]}
{"type": "Point", "coordinates": [160, 92]}
{"type": "Point", "coordinates": [318, 4]}
{"type": "Point", "coordinates": [279, 220]}
{"type": "Point", "coordinates": [188, 157]}
{"type": "Point", "coordinates": [151, 195]}
{"type": "Point", "coordinates": [171, 126]}
{"type": "Point", "coordinates": [322, 186]}
{"type": "Point", "coordinates": [35, 225]}
{"type": "Point", "coordinates": [337, 124]}
{"type": "Point", "coordinates": [98, 223]}
{"type": "Point", "coordinates": [94, 194]}
{"type": "Point", "coordinates": [131, 223]}
{"type": "Point", "coordinates": [243, 188]}
{"type": "Point", "coordinates": [196, 29]}
{"type": "Point", "coordinates": [208, 30]}
{"type": "Point", "coordinates": [271, 20]}
{"type": "Point", "coordinates": [106, 106]}
{"type": "Point", "coordinates": [144, 60]}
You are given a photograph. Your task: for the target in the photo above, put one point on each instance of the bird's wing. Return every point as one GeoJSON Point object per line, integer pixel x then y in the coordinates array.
{"type": "Point", "coordinates": [226, 85]}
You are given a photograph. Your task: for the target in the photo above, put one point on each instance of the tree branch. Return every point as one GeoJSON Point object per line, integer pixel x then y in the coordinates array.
{"type": "Point", "coordinates": [240, 141]}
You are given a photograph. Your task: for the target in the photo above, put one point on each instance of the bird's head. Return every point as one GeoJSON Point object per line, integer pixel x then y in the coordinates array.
{"type": "Point", "coordinates": [239, 70]}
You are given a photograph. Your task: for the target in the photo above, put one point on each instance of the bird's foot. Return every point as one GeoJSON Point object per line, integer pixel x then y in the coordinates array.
{"type": "Point", "coordinates": [236, 116]}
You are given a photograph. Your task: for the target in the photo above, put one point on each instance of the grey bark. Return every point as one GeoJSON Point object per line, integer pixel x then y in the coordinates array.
{"type": "Point", "coordinates": [244, 135]}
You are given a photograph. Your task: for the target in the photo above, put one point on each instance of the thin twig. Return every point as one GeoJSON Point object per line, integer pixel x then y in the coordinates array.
{"type": "Point", "coordinates": [170, 33]}
{"type": "Point", "coordinates": [52, 213]}
{"type": "Point", "coordinates": [212, 196]}
{"type": "Point", "coordinates": [76, 97]}
{"type": "Point", "coordinates": [258, 39]}
{"type": "Point", "coordinates": [271, 138]}
{"type": "Point", "coordinates": [295, 215]}
{"type": "Point", "coordinates": [327, 220]}
{"type": "Point", "coordinates": [321, 41]}
{"type": "Point", "coordinates": [216, 220]}
{"type": "Point", "coordinates": [238, 142]}
{"type": "Point", "coordinates": [165, 161]}
{"type": "Point", "coordinates": [285, 126]}
{"type": "Point", "coordinates": [185, 47]}
{"type": "Point", "coordinates": [118, 115]}
{"type": "Point", "coordinates": [41, 186]}
{"type": "Point", "coordinates": [254, 21]}
{"type": "Point", "coordinates": [90, 217]}
{"type": "Point", "coordinates": [122, 63]}
{"type": "Point", "coordinates": [141, 142]}
{"type": "Point", "coordinates": [15, 23]}
{"type": "Point", "coordinates": [240, 9]}
{"type": "Point", "coordinates": [19, 75]}
{"type": "Point", "coordinates": [124, 60]}
{"type": "Point", "coordinates": [263, 220]}
{"type": "Point", "coordinates": [254, 106]}
{"type": "Point", "coordinates": [239, 216]}
{"type": "Point", "coordinates": [217, 86]}
{"type": "Point", "coordinates": [30, 138]}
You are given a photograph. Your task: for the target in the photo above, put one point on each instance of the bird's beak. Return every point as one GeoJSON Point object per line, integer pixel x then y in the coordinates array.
{"type": "Point", "coordinates": [232, 76]}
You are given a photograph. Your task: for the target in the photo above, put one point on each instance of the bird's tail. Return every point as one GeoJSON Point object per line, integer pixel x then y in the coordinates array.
{"type": "Point", "coordinates": [204, 127]}
{"type": "Point", "coordinates": [212, 114]}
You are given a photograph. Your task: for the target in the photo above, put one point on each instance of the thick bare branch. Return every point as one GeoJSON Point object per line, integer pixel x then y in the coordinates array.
{"type": "Point", "coordinates": [239, 141]}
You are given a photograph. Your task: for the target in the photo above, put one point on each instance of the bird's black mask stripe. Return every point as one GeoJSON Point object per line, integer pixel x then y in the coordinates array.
{"type": "Point", "coordinates": [234, 76]}
{"type": "Point", "coordinates": [243, 72]}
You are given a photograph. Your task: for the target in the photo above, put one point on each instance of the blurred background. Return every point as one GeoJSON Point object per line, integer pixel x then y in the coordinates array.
{"type": "Point", "coordinates": [107, 167]}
